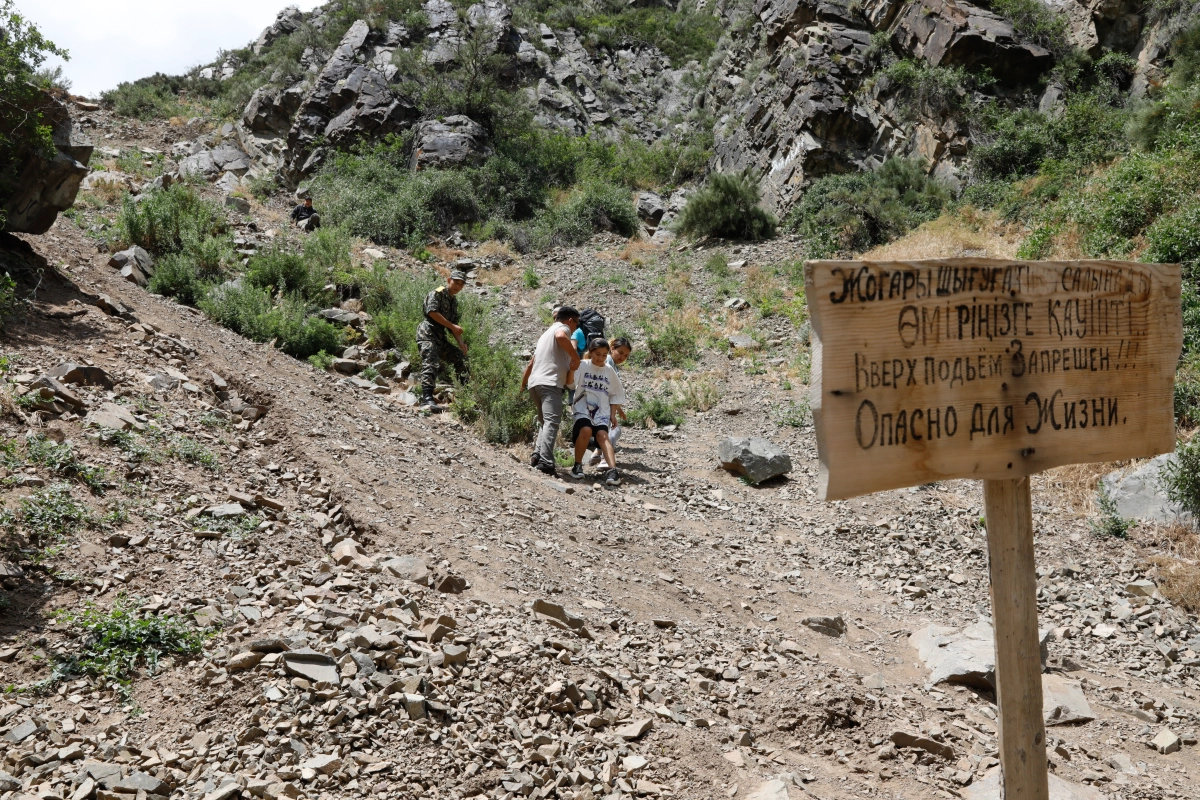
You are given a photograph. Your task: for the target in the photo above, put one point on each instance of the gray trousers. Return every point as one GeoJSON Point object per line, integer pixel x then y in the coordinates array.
{"type": "Point", "coordinates": [549, 402]}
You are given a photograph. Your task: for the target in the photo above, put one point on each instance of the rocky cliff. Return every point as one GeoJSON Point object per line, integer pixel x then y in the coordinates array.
{"type": "Point", "coordinates": [47, 185]}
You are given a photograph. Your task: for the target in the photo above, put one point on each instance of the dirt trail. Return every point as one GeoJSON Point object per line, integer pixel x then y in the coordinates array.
{"type": "Point", "coordinates": [692, 587]}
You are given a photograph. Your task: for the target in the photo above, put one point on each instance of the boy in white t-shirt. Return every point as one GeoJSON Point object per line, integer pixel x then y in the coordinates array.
{"type": "Point", "coordinates": [599, 401]}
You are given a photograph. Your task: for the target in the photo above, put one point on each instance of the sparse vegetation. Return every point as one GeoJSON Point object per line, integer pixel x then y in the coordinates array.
{"type": "Point", "coordinates": [1109, 522]}
{"type": "Point", "coordinates": [658, 409]}
{"type": "Point", "coordinates": [113, 645]}
{"type": "Point", "coordinates": [51, 513]}
{"type": "Point", "coordinates": [1180, 477]}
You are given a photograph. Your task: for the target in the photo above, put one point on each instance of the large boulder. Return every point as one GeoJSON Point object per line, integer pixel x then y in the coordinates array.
{"type": "Point", "coordinates": [1138, 495]}
{"type": "Point", "coordinates": [947, 33]}
{"type": "Point", "coordinates": [288, 21]}
{"type": "Point", "coordinates": [271, 109]}
{"type": "Point", "coordinates": [452, 142]}
{"type": "Point", "coordinates": [46, 186]}
{"type": "Point", "coordinates": [757, 459]}
{"type": "Point", "coordinates": [350, 100]}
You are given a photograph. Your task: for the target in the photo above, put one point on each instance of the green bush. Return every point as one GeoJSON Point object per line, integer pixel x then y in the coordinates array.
{"type": "Point", "coordinates": [165, 221]}
{"type": "Point", "coordinates": [1175, 238]}
{"type": "Point", "coordinates": [673, 343]}
{"type": "Point", "coordinates": [155, 97]}
{"type": "Point", "coordinates": [1180, 478]}
{"type": "Point", "coordinates": [923, 89]}
{"type": "Point", "coordinates": [242, 308]}
{"type": "Point", "coordinates": [250, 311]}
{"type": "Point", "coordinates": [842, 214]}
{"type": "Point", "coordinates": [662, 410]}
{"type": "Point", "coordinates": [1110, 522]}
{"type": "Point", "coordinates": [1187, 391]}
{"type": "Point", "coordinates": [285, 271]}
{"type": "Point", "coordinates": [177, 276]}
{"type": "Point", "coordinates": [683, 35]}
{"type": "Point", "coordinates": [728, 207]}
{"type": "Point", "coordinates": [52, 513]}
{"type": "Point", "coordinates": [592, 207]}
{"type": "Point", "coordinates": [1036, 22]}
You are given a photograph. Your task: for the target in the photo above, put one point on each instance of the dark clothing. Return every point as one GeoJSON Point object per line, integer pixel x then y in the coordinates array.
{"type": "Point", "coordinates": [302, 212]}
{"type": "Point", "coordinates": [433, 343]}
{"type": "Point", "coordinates": [583, 424]}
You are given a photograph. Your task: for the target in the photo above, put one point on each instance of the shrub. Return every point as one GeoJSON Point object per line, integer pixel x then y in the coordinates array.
{"type": "Point", "coordinates": [177, 276]}
{"type": "Point", "coordinates": [321, 361]}
{"type": "Point", "coordinates": [675, 343]}
{"type": "Point", "coordinates": [1180, 477]}
{"type": "Point", "coordinates": [1175, 238]}
{"type": "Point", "coordinates": [62, 461]}
{"type": "Point", "coordinates": [849, 213]}
{"type": "Point", "coordinates": [299, 334]}
{"type": "Point", "coordinates": [240, 307]}
{"type": "Point", "coordinates": [250, 311]}
{"type": "Point", "coordinates": [155, 97]}
{"type": "Point", "coordinates": [661, 410]}
{"type": "Point", "coordinates": [1036, 22]}
{"type": "Point", "coordinates": [923, 89]}
{"type": "Point", "coordinates": [1187, 393]}
{"type": "Point", "coordinates": [728, 207]}
{"type": "Point", "coordinates": [1110, 522]}
{"type": "Point", "coordinates": [281, 270]}
{"type": "Point", "coordinates": [165, 221]}
{"type": "Point", "coordinates": [595, 206]}
{"type": "Point", "coordinates": [530, 278]}
{"type": "Point", "coordinates": [682, 36]}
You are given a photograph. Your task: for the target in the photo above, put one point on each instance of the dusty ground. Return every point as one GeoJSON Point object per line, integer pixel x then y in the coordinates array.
{"type": "Point", "coordinates": [691, 585]}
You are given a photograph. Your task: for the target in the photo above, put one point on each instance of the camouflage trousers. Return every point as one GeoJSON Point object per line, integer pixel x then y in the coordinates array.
{"type": "Point", "coordinates": [438, 350]}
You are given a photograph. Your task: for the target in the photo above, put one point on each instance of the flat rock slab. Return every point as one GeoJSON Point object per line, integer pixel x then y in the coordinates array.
{"type": "Point", "coordinates": [1139, 496]}
{"type": "Point", "coordinates": [988, 788]}
{"type": "Point", "coordinates": [830, 626]}
{"type": "Point", "coordinates": [966, 656]}
{"type": "Point", "coordinates": [1063, 702]}
{"type": "Point", "coordinates": [756, 459]}
{"type": "Point", "coordinates": [311, 665]}
{"type": "Point", "coordinates": [907, 739]}
{"type": "Point", "coordinates": [770, 790]}
{"type": "Point", "coordinates": [408, 568]}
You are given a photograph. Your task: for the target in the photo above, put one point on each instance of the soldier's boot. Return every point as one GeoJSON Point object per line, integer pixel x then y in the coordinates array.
{"type": "Point", "coordinates": [427, 399]}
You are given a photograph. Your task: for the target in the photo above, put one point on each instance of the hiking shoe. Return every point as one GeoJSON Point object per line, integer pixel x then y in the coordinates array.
{"type": "Point", "coordinates": [577, 472]}
{"type": "Point", "coordinates": [613, 478]}
{"type": "Point", "coordinates": [547, 468]}
{"type": "Point", "coordinates": [534, 460]}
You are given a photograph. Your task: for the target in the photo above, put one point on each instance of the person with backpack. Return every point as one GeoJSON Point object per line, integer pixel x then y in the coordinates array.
{"type": "Point", "coordinates": [599, 398]}
{"type": "Point", "coordinates": [546, 375]}
{"type": "Point", "coordinates": [618, 354]}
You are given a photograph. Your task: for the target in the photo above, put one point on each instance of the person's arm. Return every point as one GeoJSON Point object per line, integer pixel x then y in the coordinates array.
{"type": "Point", "coordinates": [563, 338]}
{"type": "Point", "coordinates": [295, 213]}
{"type": "Point", "coordinates": [525, 376]}
{"type": "Point", "coordinates": [617, 398]}
{"type": "Point", "coordinates": [455, 330]}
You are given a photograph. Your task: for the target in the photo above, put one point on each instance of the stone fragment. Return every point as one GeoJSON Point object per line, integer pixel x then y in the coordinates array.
{"type": "Point", "coordinates": [241, 661]}
{"type": "Point", "coordinates": [988, 788]}
{"type": "Point", "coordinates": [21, 732]}
{"type": "Point", "coordinates": [830, 626]}
{"type": "Point", "coordinates": [454, 654]}
{"type": "Point", "coordinates": [774, 789]}
{"type": "Point", "coordinates": [908, 739]}
{"type": "Point", "coordinates": [226, 510]}
{"type": "Point", "coordinates": [408, 568]}
{"type": "Point", "coordinates": [757, 459]}
{"type": "Point", "coordinates": [451, 142]}
{"type": "Point", "coordinates": [73, 373]}
{"type": "Point", "coordinates": [348, 551]}
{"type": "Point", "coordinates": [136, 782]}
{"type": "Point", "coordinates": [324, 764]}
{"type": "Point", "coordinates": [635, 730]}
{"type": "Point", "coordinates": [1166, 742]}
{"type": "Point", "coordinates": [414, 705]}
{"type": "Point", "coordinates": [112, 416]}
{"type": "Point", "coordinates": [1063, 701]}
{"type": "Point", "coordinates": [452, 584]}
{"type": "Point", "coordinates": [311, 665]}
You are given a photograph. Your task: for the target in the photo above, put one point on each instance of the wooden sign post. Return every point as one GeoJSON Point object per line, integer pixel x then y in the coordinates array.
{"type": "Point", "coordinates": [994, 370]}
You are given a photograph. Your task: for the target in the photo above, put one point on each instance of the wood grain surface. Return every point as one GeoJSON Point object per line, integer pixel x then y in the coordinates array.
{"type": "Point", "coordinates": [988, 368]}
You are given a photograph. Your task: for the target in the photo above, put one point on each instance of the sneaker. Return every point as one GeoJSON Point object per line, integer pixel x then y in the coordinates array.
{"type": "Point", "coordinates": [613, 478]}
{"type": "Point", "coordinates": [547, 468]}
{"type": "Point", "coordinates": [595, 459]}
{"type": "Point", "coordinates": [577, 472]}
{"type": "Point", "coordinates": [534, 460]}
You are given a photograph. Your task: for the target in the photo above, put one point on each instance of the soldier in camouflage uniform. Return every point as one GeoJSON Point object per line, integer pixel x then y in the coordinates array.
{"type": "Point", "coordinates": [441, 315]}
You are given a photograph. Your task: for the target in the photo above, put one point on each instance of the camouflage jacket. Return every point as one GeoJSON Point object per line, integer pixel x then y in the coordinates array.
{"type": "Point", "coordinates": [441, 301]}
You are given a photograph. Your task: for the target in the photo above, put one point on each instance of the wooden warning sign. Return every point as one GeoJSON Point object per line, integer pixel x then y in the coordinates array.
{"type": "Point", "coordinates": [988, 369]}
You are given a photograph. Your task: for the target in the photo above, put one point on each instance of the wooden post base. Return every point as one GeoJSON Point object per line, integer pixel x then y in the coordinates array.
{"type": "Point", "coordinates": [1018, 653]}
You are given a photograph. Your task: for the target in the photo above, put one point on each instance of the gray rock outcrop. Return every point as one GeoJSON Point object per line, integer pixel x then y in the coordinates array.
{"type": "Point", "coordinates": [47, 186]}
{"type": "Point", "coordinates": [757, 459]}
{"type": "Point", "coordinates": [288, 21]}
{"type": "Point", "coordinates": [1138, 495]}
{"type": "Point", "coordinates": [452, 142]}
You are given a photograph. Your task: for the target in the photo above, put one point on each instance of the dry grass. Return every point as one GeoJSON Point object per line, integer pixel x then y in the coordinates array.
{"type": "Point", "coordinates": [108, 191]}
{"type": "Point", "coordinates": [443, 253]}
{"type": "Point", "coordinates": [493, 248]}
{"type": "Point", "coordinates": [949, 236]}
{"type": "Point", "coordinates": [638, 251]}
{"type": "Point", "coordinates": [498, 277]}
{"type": "Point", "coordinates": [1074, 486]}
{"type": "Point", "coordinates": [1179, 581]}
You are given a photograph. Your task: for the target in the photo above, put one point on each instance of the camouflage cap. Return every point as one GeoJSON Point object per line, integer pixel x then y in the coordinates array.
{"type": "Point", "coordinates": [458, 275]}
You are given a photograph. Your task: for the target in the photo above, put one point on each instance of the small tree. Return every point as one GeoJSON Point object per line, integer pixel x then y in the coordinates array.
{"type": "Point", "coordinates": [23, 131]}
{"type": "Point", "coordinates": [728, 207]}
